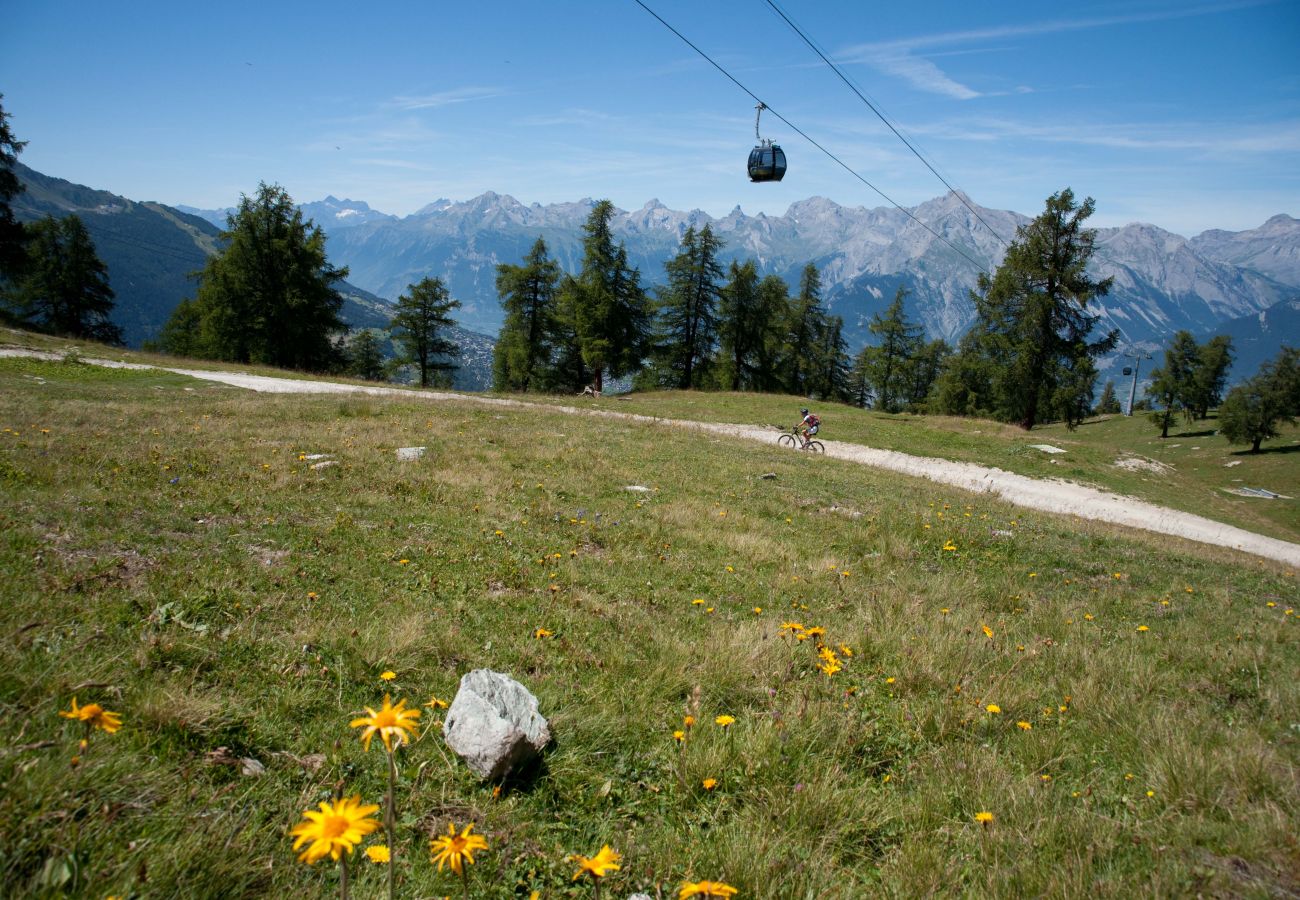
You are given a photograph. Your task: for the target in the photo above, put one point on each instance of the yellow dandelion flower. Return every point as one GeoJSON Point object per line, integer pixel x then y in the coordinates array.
{"type": "Point", "coordinates": [846, 649]}
{"type": "Point", "coordinates": [334, 829]}
{"type": "Point", "coordinates": [791, 627]}
{"type": "Point", "coordinates": [688, 721]}
{"type": "Point", "coordinates": [949, 546]}
{"type": "Point", "coordinates": [456, 849]}
{"type": "Point", "coordinates": [403, 562]}
{"type": "Point", "coordinates": [1270, 604]}
{"type": "Point", "coordinates": [679, 736]}
{"type": "Point", "coordinates": [830, 668]}
{"type": "Point", "coordinates": [1151, 793]}
{"type": "Point", "coordinates": [312, 595]}
{"type": "Point", "coordinates": [988, 632]}
{"type": "Point", "coordinates": [388, 676]}
{"type": "Point", "coordinates": [1024, 726]}
{"type": "Point", "coordinates": [730, 569]}
{"type": "Point", "coordinates": [815, 631]}
{"type": "Point", "coordinates": [994, 709]}
{"type": "Point", "coordinates": [378, 853]}
{"type": "Point", "coordinates": [543, 633]}
{"type": "Point", "coordinates": [390, 722]}
{"type": "Point", "coordinates": [709, 783]}
{"type": "Point", "coordinates": [984, 817]}
{"type": "Point", "coordinates": [598, 866]}
{"type": "Point", "coordinates": [1143, 628]}
{"type": "Point", "coordinates": [889, 680]}
{"type": "Point", "coordinates": [944, 611]}
{"type": "Point", "coordinates": [94, 715]}
{"type": "Point", "coordinates": [724, 720]}
{"type": "Point", "coordinates": [713, 889]}
{"type": "Point", "coordinates": [435, 703]}
{"type": "Point", "coordinates": [757, 610]}
{"type": "Point", "coordinates": [698, 601]}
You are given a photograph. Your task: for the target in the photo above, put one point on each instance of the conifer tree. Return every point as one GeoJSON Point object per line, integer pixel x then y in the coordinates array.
{"type": "Point", "coordinates": [921, 374]}
{"type": "Point", "coordinates": [885, 365]}
{"type": "Point", "coordinates": [525, 344]}
{"type": "Point", "coordinates": [1172, 384]}
{"type": "Point", "coordinates": [1108, 405]}
{"type": "Point", "coordinates": [63, 286]}
{"type": "Point", "coordinates": [805, 322]}
{"type": "Point", "coordinates": [829, 379]}
{"type": "Point", "coordinates": [423, 313]}
{"type": "Point", "coordinates": [741, 329]}
{"type": "Point", "coordinates": [13, 237]}
{"type": "Point", "coordinates": [688, 310]}
{"type": "Point", "coordinates": [1251, 412]}
{"type": "Point", "coordinates": [365, 356]}
{"type": "Point", "coordinates": [1033, 313]}
{"type": "Point", "coordinates": [605, 307]}
{"type": "Point", "coordinates": [269, 297]}
{"type": "Point", "coordinates": [1210, 375]}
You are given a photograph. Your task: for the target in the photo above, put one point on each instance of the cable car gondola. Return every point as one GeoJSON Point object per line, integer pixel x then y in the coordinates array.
{"type": "Point", "coordinates": [766, 160]}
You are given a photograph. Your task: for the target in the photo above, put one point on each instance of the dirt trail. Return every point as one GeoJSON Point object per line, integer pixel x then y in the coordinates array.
{"type": "Point", "coordinates": [1052, 496]}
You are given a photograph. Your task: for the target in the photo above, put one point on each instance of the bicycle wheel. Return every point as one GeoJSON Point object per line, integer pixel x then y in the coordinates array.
{"type": "Point", "coordinates": [786, 440]}
{"type": "Point", "coordinates": [816, 447]}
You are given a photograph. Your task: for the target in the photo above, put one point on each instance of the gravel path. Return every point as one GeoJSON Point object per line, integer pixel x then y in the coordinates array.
{"type": "Point", "coordinates": [1052, 496]}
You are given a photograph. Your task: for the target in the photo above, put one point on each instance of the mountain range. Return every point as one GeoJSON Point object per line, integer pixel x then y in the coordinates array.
{"type": "Point", "coordinates": [1163, 282]}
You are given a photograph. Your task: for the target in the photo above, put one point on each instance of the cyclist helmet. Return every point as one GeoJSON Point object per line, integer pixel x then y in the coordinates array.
{"type": "Point", "coordinates": [803, 411]}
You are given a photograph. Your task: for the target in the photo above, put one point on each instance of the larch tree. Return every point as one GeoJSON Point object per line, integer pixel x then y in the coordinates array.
{"type": "Point", "coordinates": [885, 364]}
{"type": "Point", "coordinates": [1033, 312]}
{"type": "Point", "coordinates": [688, 310]}
{"type": "Point", "coordinates": [528, 334]}
{"type": "Point", "coordinates": [423, 315]}
{"type": "Point", "coordinates": [270, 295]}
{"type": "Point", "coordinates": [63, 287]}
{"type": "Point", "coordinates": [13, 236]}
{"type": "Point", "coordinates": [1173, 384]}
{"type": "Point", "coordinates": [606, 307]}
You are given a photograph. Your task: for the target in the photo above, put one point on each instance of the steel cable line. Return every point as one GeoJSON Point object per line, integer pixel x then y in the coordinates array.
{"type": "Point", "coordinates": [853, 87]}
{"type": "Point", "coordinates": [960, 252]}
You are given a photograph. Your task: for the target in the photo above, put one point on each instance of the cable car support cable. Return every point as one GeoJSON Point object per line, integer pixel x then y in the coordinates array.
{"type": "Point", "coordinates": [904, 210]}
{"type": "Point", "coordinates": [853, 87]}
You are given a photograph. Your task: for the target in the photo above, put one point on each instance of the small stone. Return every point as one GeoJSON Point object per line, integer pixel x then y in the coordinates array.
{"type": "Point", "coordinates": [767, 476]}
{"type": "Point", "coordinates": [409, 453]}
{"type": "Point", "coordinates": [251, 767]}
{"type": "Point", "coordinates": [325, 464]}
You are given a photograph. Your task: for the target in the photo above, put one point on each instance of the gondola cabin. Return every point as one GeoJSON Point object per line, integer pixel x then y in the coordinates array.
{"type": "Point", "coordinates": [766, 162]}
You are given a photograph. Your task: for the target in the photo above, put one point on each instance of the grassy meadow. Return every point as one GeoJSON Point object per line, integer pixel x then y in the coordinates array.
{"type": "Point", "coordinates": [1124, 705]}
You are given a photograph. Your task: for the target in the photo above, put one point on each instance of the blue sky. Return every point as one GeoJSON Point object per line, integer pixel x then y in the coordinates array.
{"type": "Point", "coordinates": [1184, 114]}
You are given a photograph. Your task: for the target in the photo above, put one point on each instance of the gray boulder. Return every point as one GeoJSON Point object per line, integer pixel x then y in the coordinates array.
{"type": "Point", "coordinates": [494, 725]}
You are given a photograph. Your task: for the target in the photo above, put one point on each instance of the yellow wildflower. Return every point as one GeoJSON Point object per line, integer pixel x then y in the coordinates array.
{"type": "Point", "coordinates": [712, 889]}
{"type": "Point", "coordinates": [724, 720]}
{"type": "Point", "coordinates": [390, 722]}
{"type": "Point", "coordinates": [598, 866]}
{"type": "Point", "coordinates": [378, 853]}
{"type": "Point", "coordinates": [334, 829]}
{"type": "Point", "coordinates": [994, 709]}
{"type": "Point", "coordinates": [984, 818]}
{"type": "Point", "coordinates": [94, 715]}
{"type": "Point", "coordinates": [709, 783]}
{"type": "Point", "coordinates": [456, 849]}
{"type": "Point", "coordinates": [388, 676]}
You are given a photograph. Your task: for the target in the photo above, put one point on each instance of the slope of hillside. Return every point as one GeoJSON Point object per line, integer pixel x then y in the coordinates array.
{"type": "Point", "coordinates": [992, 687]}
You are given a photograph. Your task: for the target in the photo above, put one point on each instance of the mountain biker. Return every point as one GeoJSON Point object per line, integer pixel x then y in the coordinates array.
{"type": "Point", "coordinates": [808, 425]}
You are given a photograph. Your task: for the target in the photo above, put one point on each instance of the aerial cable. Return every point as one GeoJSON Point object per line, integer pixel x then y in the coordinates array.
{"type": "Point", "coordinates": [853, 87]}
{"type": "Point", "coordinates": [960, 252]}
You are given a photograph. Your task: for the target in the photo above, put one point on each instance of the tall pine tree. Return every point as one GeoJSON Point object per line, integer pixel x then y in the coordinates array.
{"type": "Point", "coordinates": [1033, 313]}
{"type": "Point", "coordinates": [13, 237]}
{"type": "Point", "coordinates": [885, 364]}
{"type": "Point", "coordinates": [605, 308]}
{"type": "Point", "coordinates": [525, 345]}
{"type": "Point", "coordinates": [63, 287]}
{"type": "Point", "coordinates": [688, 310]}
{"type": "Point", "coordinates": [270, 296]}
{"type": "Point", "coordinates": [423, 315]}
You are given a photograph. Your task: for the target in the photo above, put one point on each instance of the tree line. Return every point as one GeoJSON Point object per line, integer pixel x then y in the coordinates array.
{"type": "Point", "coordinates": [705, 328]}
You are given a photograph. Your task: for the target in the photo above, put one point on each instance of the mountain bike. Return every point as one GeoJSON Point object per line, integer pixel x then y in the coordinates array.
{"type": "Point", "coordinates": [794, 440]}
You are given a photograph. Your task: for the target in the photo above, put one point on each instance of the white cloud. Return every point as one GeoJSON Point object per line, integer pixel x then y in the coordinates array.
{"type": "Point", "coordinates": [445, 98]}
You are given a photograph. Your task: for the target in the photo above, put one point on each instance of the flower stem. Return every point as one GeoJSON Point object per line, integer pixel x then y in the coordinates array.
{"type": "Point", "coordinates": [343, 876]}
{"type": "Point", "coordinates": [464, 881]}
{"type": "Point", "coordinates": [390, 820]}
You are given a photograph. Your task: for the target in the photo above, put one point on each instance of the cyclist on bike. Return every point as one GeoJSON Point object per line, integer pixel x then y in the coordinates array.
{"type": "Point", "coordinates": [808, 425]}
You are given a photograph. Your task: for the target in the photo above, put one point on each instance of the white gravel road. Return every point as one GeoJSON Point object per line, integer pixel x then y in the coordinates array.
{"type": "Point", "coordinates": [1051, 496]}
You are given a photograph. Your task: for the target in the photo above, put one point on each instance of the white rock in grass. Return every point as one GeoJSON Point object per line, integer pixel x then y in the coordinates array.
{"type": "Point", "coordinates": [638, 488]}
{"type": "Point", "coordinates": [408, 453]}
{"type": "Point", "coordinates": [493, 724]}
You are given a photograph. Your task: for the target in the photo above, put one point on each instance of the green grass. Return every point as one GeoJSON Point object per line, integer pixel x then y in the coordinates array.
{"type": "Point", "coordinates": [162, 538]}
{"type": "Point", "coordinates": [1197, 476]}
